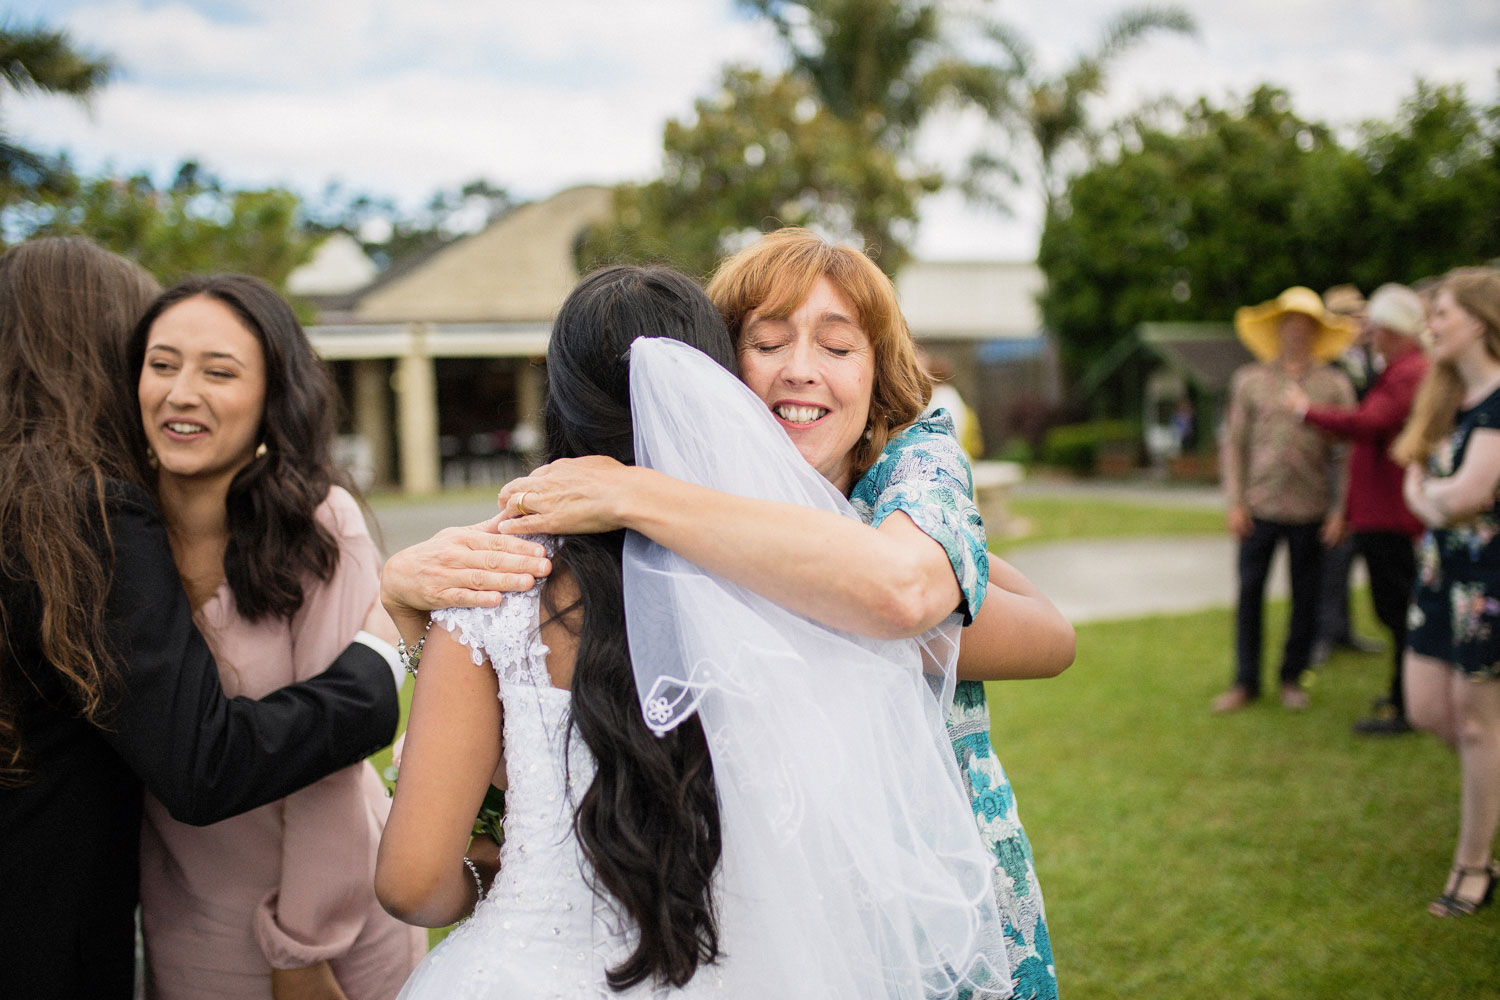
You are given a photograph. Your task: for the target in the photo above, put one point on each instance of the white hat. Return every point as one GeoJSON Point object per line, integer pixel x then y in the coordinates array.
{"type": "Point", "coordinates": [1397, 309]}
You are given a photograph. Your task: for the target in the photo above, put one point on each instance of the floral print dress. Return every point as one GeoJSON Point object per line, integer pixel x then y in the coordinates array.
{"type": "Point", "coordinates": [924, 474]}
{"type": "Point", "coordinates": [1455, 611]}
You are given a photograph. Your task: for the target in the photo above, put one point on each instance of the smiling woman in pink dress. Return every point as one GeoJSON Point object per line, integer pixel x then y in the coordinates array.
{"type": "Point", "coordinates": [280, 570]}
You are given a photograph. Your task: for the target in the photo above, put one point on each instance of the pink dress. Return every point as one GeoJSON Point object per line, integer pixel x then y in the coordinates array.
{"type": "Point", "coordinates": [291, 883]}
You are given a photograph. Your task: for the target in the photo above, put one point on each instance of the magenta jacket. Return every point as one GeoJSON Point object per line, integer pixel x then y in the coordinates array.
{"type": "Point", "coordinates": [1375, 503]}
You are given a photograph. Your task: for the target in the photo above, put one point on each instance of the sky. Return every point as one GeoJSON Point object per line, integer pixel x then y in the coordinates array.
{"type": "Point", "coordinates": [400, 99]}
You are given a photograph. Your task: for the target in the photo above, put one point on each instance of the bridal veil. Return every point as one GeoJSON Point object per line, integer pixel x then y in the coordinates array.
{"type": "Point", "coordinates": [852, 865]}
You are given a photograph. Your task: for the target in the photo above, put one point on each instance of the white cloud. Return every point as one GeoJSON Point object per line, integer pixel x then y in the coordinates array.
{"type": "Point", "coordinates": [395, 97]}
{"type": "Point", "coordinates": [402, 98]}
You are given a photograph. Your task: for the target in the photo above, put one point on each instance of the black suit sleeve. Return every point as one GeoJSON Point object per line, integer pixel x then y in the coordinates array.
{"type": "Point", "coordinates": [204, 755]}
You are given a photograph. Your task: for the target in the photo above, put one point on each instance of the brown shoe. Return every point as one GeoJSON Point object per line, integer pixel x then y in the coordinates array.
{"type": "Point", "coordinates": [1292, 696]}
{"type": "Point", "coordinates": [1232, 700]}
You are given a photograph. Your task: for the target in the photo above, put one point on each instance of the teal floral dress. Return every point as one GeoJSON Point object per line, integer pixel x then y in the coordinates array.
{"type": "Point", "coordinates": [1455, 611]}
{"type": "Point", "coordinates": [924, 474]}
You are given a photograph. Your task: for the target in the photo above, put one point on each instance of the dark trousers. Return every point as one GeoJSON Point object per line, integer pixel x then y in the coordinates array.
{"type": "Point", "coordinates": [1392, 561]}
{"type": "Point", "coordinates": [1333, 593]}
{"type": "Point", "coordinates": [1305, 555]}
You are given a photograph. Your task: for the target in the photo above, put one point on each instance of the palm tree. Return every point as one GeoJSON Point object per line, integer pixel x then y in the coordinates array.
{"type": "Point", "coordinates": [39, 60]}
{"type": "Point", "coordinates": [1051, 112]}
{"type": "Point", "coordinates": [880, 67]}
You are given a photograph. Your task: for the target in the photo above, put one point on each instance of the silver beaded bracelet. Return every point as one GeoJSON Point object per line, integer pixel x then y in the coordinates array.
{"type": "Point", "coordinates": [478, 883]}
{"type": "Point", "coordinates": [411, 655]}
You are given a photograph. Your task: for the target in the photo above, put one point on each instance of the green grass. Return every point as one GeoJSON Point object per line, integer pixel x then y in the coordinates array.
{"type": "Point", "coordinates": [1263, 855]}
{"type": "Point", "coordinates": [1065, 519]}
{"type": "Point", "coordinates": [382, 758]}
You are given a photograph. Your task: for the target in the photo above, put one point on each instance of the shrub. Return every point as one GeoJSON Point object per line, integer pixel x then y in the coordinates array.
{"type": "Point", "coordinates": [1077, 446]}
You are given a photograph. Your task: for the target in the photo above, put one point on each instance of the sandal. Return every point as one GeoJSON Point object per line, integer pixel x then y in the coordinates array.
{"type": "Point", "coordinates": [1451, 904]}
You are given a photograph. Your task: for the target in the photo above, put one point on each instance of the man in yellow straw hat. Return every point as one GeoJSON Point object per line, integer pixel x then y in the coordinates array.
{"type": "Point", "coordinates": [1282, 478]}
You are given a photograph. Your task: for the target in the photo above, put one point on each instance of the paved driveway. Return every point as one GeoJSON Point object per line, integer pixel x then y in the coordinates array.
{"type": "Point", "coordinates": [1103, 579]}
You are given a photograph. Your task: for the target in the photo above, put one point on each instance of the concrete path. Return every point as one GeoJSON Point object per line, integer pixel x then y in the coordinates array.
{"type": "Point", "coordinates": [1104, 579]}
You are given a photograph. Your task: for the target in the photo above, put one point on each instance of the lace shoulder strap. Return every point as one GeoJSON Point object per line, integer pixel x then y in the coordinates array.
{"type": "Point", "coordinates": [509, 633]}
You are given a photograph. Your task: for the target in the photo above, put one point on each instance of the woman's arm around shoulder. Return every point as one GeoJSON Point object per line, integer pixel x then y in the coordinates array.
{"type": "Point", "coordinates": [829, 567]}
{"type": "Point", "coordinates": [206, 756]}
{"type": "Point", "coordinates": [451, 753]}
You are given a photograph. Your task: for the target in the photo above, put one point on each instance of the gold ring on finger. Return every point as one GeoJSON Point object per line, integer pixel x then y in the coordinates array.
{"type": "Point", "coordinates": [521, 504]}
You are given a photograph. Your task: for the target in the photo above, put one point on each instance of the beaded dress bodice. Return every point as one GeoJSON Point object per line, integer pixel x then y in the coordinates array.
{"type": "Point", "coordinates": [541, 931]}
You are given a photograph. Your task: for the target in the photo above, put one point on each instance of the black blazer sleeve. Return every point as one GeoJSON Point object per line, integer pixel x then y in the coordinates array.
{"type": "Point", "coordinates": [204, 755]}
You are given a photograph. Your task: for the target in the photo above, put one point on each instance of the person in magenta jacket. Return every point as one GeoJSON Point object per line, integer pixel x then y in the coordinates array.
{"type": "Point", "coordinates": [1383, 528]}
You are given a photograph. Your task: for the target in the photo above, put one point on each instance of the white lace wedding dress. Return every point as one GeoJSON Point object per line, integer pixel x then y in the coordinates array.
{"type": "Point", "coordinates": [541, 932]}
{"type": "Point", "coordinates": [851, 867]}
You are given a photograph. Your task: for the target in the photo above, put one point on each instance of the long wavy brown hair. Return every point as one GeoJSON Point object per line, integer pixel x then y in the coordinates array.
{"type": "Point", "coordinates": [1477, 290]}
{"type": "Point", "coordinates": [66, 309]}
{"type": "Point", "coordinates": [776, 273]}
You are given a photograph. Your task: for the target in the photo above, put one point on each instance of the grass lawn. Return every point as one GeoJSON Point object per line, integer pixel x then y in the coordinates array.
{"type": "Point", "coordinates": [1267, 854]}
{"type": "Point", "coordinates": [1055, 519]}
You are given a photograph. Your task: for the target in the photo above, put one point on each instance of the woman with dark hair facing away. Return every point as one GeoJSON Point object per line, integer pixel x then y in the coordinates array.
{"type": "Point", "coordinates": [684, 813]}
{"type": "Point", "coordinates": [1451, 450]}
{"type": "Point", "coordinates": [106, 687]}
{"type": "Point", "coordinates": [280, 570]}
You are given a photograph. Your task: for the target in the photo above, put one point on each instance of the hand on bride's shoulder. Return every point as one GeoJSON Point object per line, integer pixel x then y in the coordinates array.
{"type": "Point", "coordinates": [571, 496]}
{"type": "Point", "coordinates": [470, 566]}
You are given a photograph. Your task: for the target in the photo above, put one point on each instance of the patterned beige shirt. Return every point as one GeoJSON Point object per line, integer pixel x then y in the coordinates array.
{"type": "Point", "coordinates": [1273, 463]}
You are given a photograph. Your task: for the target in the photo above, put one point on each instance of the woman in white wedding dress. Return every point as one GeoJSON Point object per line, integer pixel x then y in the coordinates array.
{"type": "Point", "coordinates": [691, 813]}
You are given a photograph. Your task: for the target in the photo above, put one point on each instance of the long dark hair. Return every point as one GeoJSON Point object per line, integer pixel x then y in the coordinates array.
{"type": "Point", "coordinates": [66, 307]}
{"type": "Point", "coordinates": [275, 540]}
{"type": "Point", "coordinates": [649, 822]}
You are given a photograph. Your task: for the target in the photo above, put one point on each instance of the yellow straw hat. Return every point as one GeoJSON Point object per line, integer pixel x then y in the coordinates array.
{"type": "Point", "coordinates": [1257, 325]}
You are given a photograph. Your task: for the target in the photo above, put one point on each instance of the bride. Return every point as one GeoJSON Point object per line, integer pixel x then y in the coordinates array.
{"type": "Point", "coordinates": [706, 807]}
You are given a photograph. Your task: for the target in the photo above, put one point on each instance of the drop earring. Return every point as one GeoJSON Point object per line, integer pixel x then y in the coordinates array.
{"type": "Point", "coordinates": [260, 450]}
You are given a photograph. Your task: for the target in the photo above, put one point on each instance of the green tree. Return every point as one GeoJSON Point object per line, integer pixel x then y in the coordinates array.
{"type": "Point", "coordinates": [883, 64]}
{"type": "Point", "coordinates": [828, 144]}
{"type": "Point", "coordinates": [1187, 224]}
{"type": "Point", "coordinates": [37, 60]}
{"type": "Point", "coordinates": [1227, 206]}
{"type": "Point", "coordinates": [195, 225]}
{"type": "Point", "coordinates": [1050, 112]}
{"type": "Point", "coordinates": [763, 152]}
{"type": "Point", "coordinates": [1429, 193]}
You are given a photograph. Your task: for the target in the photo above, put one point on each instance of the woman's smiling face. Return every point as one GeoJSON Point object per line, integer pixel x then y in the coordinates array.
{"type": "Point", "coordinates": [815, 369]}
{"type": "Point", "coordinates": [1451, 329]}
{"type": "Point", "coordinates": [202, 390]}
